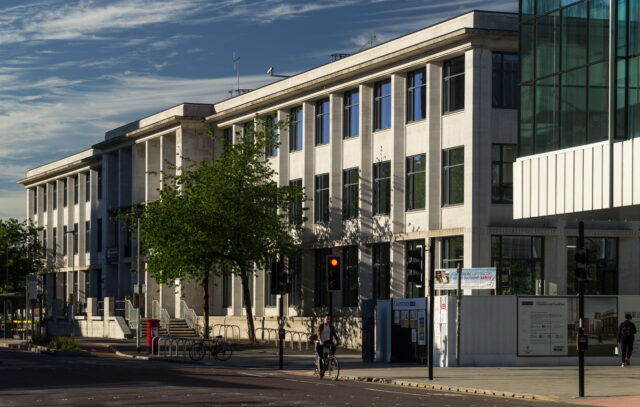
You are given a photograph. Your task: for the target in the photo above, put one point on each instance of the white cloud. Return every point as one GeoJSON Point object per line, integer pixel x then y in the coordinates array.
{"type": "Point", "coordinates": [12, 203]}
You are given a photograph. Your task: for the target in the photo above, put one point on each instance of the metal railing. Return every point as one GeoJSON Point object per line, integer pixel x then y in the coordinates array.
{"type": "Point", "coordinates": [161, 314]}
{"type": "Point", "coordinates": [119, 308]}
{"type": "Point", "coordinates": [222, 330]}
{"type": "Point", "coordinates": [176, 347]}
{"type": "Point", "coordinates": [292, 335]}
{"type": "Point", "coordinates": [189, 316]}
{"type": "Point", "coordinates": [101, 308]}
{"type": "Point", "coordinates": [131, 314]}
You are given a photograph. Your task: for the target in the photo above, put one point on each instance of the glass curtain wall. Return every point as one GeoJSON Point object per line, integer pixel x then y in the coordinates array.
{"type": "Point", "coordinates": [603, 253]}
{"type": "Point", "coordinates": [627, 58]}
{"type": "Point", "coordinates": [563, 74]}
{"type": "Point", "coordinates": [519, 264]}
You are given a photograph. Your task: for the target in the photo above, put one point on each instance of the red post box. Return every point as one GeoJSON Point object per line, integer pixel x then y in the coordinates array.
{"type": "Point", "coordinates": [153, 328]}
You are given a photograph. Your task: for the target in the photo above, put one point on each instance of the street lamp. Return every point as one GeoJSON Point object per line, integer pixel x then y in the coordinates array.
{"type": "Point", "coordinates": [73, 275]}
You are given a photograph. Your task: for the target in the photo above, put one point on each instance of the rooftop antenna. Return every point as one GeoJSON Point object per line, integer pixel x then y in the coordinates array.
{"type": "Point", "coordinates": [270, 73]}
{"type": "Point", "coordinates": [236, 68]}
{"type": "Point", "coordinates": [369, 43]}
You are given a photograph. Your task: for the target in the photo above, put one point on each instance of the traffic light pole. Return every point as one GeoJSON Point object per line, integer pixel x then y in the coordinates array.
{"type": "Point", "coordinates": [431, 300]}
{"type": "Point", "coordinates": [581, 313]}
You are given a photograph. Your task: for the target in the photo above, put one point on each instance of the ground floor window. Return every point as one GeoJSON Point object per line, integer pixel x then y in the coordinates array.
{"type": "Point", "coordinates": [226, 287]}
{"type": "Point", "coordinates": [350, 276]}
{"type": "Point", "coordinates": [601, 251]}
{"type": "Point", "coordinates": [519, 264]}
{"type": "Point", "coordinates": [452, 252]}
{"type": "Point", "coordinates": [269, 299]}
{"type": "Point", "coordinates": [382, 271]}
{"type": "Point", "coordinates": [321, 293]}
{"type": "Point", "coordinates": [295, 276]}
{"type": "Point", "coordinates": [411, 289]}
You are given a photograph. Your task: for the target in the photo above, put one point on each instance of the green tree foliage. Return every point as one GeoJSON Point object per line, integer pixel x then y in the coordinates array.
{"type": "Point", "coordinates": [20, 241]}
{"type": "Point", "coordinates": [225, 213]}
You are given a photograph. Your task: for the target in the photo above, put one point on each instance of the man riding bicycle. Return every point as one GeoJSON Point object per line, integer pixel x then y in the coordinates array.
{"type": "Point", "coordinates": [326, 334]}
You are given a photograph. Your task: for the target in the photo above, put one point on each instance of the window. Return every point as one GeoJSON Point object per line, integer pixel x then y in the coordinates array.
{"type": "Point", "coordinates": [269, 299]}
{"type": "Point", "coordinates": [452, 252]}
{"type": "Point", "coordinates": [99, 237]}
{"type": "Point", "coordinates": [227, 136]}
{"type": "Point", "coordinates": [295, 276]}
{"type": "Point", "coordinates": [382, 271]}
{"type": "Point", "coordinates": [321, 199]}
{"type": "Point", "coordinates": [248, 129]}
{"type": "Point", "coordinates": [295, 213]}
{"type": "Point", "coordinates": [453, 85]}
{"type": "Point", "coordinates": [601, 251]}
{"type": "Point", "coordinates": [55, 194]}
{"type": "Point", "coordinates": [87, 236]}
{"type": "Point", "coordinates": [350, 180]}
{"type": "Point", "coordinates": [502, 158]}
{"type": "Point", "coordinates": [350, 276]}
{"type": "Point", "coordinates": [65, 239]}
{"type": "Point", "coordinates": [416, 181]}
{"type": "Point", "coordinates": [226, 287]}
{"type": "Point", "coordinates": [99, 180]}
{"type": "Point", "coordinates": [411, 289]}
{"type": "Point", "coordinates": [323, 122]}
{"type": "Point", "coordinates": [295, 129]}
{"type": "Point", "coordinates": [35, 200]}
{"type": "Point", "coordinates": [75, 189]}
{"type": "Point", "coordinates": [504, 80]}
{"type": "Point", "coordinates": [321, 293]}
{"type": "Point", "coordinates": [87, 186]}
{"type": "Point", "coordinates": [44, 197]}
{"type": "Point", "coordinates": [271, 123]}
{"type": "Point", "coordinates": [416, 95]}
{"type": "Point", "coordinates": [55, 242]}
{"type": "Point", "coordinates": [75, 238]}
{"type": "Point", "coordinates": [519, 264]}
{"type": "Point", "coordinates": [44, 243]}
{"type": "Point", "coordinates": [351, 114]}
{"type": "Point", "coordinates": [65, 191]}
{"type": "Point", "coordinates": [382, 188]}
{"type": "Point", "coordinates": [453, 176]}
{"type": "Point", "coordinates": [382, 105]}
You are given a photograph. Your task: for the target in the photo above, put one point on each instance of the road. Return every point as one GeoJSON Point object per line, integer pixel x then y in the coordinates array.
{"type": "Point", "coordinates": [29, 379]}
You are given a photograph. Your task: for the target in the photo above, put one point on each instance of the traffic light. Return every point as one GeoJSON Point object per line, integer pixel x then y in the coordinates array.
{"type": "Point", "coordinates": [277, 277]}
{"type": "Point", "coordinates": [581, 264]}
{"type": "Point", "coordinates": [334, 273]}
{"type": "Point", "coordinates": [415, 265]}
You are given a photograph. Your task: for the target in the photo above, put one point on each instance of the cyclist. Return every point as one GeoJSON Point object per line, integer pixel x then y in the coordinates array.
{"type": "Point", "coordinates": [326, 334]}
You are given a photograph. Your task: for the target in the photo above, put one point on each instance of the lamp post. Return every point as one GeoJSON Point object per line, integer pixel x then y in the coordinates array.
{"type": "Point", "coordinates": [74, 232]}
{"type": "Point", "coordinates": [6, 282]}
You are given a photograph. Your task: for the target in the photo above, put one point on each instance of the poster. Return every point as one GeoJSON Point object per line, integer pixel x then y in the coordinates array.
{"type": "Point", "coordinates": [404, 319]}
{"type": "Point", "coordinates": [412, 319]}
{"type": "Point", "coordinates": [472, 279]}
{"type": "Point", "coordinates": [413, 336]}
{"type": "Point", "coordinates": [542, 326]}
{"type": "Point", "coordinates": [630, 304]}
{"type": "Point", "coordinates": [600, 324]}
{"type": "Point", "coordinates": [421, 326]}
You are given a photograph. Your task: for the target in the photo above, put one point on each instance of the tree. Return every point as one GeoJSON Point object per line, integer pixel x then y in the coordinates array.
{"type": "Point", "coordinates": [19, 240]}
{"type": "Point", "coordinates": [225, 213]}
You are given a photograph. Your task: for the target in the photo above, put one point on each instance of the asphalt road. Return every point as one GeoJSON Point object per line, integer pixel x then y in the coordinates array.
{"type": "Point", "coordinates": [28, 379]}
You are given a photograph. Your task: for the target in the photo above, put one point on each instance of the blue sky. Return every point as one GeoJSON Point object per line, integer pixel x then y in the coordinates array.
{"type": "Point", "coordinates": [72, 69]}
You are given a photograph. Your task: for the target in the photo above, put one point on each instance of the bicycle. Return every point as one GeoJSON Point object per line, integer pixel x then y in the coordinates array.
{"type": "Point", "coordinates": [220, 350]}
{"type": "Point", "coordinates": [329, 363]}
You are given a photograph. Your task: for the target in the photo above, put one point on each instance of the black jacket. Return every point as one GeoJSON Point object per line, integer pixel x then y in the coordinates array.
{"type": "Point", "coordinates": [626, 331]}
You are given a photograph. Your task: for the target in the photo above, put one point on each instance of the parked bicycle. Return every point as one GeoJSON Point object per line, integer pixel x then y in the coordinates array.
{"type": "Point", "coordinates": [219, 349]}
{"type": "Point", "coordinates": [327, 365]}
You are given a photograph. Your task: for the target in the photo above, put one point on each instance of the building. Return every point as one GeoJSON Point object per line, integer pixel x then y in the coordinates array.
{"type": "Point", "coordinates": [409, 140]}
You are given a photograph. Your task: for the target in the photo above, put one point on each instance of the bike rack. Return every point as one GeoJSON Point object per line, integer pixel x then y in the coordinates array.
{"type": "Point", "coordinates": [223, 328]}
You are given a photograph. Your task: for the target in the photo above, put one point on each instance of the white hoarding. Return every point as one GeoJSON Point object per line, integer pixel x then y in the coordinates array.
{"type": "Point", "coordinates": [542, 326]}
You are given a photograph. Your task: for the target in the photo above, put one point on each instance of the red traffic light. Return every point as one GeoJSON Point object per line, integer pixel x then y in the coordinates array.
{"type": "Point", "coordinates": [334, 262]}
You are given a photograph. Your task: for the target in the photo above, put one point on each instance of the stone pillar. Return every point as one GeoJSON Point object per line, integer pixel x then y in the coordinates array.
{"type": "Point", "coordinates": [92, 307]}
{"type": "Point", "coordinates": [109, 307]}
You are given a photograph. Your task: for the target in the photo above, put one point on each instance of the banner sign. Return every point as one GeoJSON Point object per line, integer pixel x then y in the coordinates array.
{"type": "Point", "coordinates": [472, 279]}
{"type": "Point", "coordinates": [410, 303]}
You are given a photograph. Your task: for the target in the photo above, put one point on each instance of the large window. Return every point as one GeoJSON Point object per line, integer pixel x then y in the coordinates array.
{"type": "Point", "coordinates": [321, 198]}
{"type": "Point", "coordinates": [65, 240]}
{"type": "Point", "coordinates": [55, 242]}
{"type": "Point", "coordinates": [453, 85]}
{"type": "Point", "coordinates": [382, 105]}
{"type": "Point", "coordinates": [452, 252]}
{"type": "Point", "coordinates": [65, 191]}
{"type": "Point", "coordinates": [295, 129]}
{"type": "Point", "coordinates": [76, 181]}
{"type": "Point", "coordinates": [504, 80]}
{"type": "Point", "coordinates": [519, 264]}
{"type": "Point", "coordinates": [321, 295]}
{"type": "Point", "coordinates": [227, 279]}
{"type": "Point", "coordinates": [227, 136]}
{"type": "Point", "coordinates": [411, 289]}
{"type": "Point", "coordinates": [44, 243]}
{"type": "Point", "coordinates": [602, 252]}
{"type": "Point", "coordinates": [269, 299]}
{"type": "Point", "coordinates": [628, 70]}
{"type": "Point", "coordinates": [75, 238]}
{"type": "Point", "coordinates": [416, 182]}
{"type": "Point", "coordinates": [453, 176]}
{"type": "Point", "coordinates": [382, 188]}
{"type": "Point", "coordinates": [350, 179]}
{"type": "Point", "coordinates": [382, 271]}
{"type": "Point", "coordinates": [564, 75]}
{"type": "Point", "coordinates": [87, 236]}
{"type": "Point", "coordinates": [35, 200]}
{"type": "Point", "coordinates": [55, 194]}
{"type": "Point", "coordinates": [87, 186]}
{"type": "Point", "coordinates": [295, 212]}
{"type": "Point", "coordinates": [271, 124]}
{"type": "Point", "coordinates": [44, 197]}
{"type": "Point", "coordinates": [99, 180]}
{"type": "Point", "coordinates": [323, 121]}
{"type": "Point", "coordinates": [502, 158]}
{"type": "Point", "coordinates": [416, 95]}
{"type": "Point", "coordinates": [295, 276]}
{"type": "Point", "coordinates": [351, 114]}
{"type": "Point", "coordinates": [350, 276]}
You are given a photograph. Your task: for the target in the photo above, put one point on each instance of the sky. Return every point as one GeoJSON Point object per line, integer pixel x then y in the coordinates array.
{"type": "Point", "coordinates": [70, 70]}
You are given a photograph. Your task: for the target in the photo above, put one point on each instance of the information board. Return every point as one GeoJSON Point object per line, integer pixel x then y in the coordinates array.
{"type": "Point", "coordinates": [542, 326]}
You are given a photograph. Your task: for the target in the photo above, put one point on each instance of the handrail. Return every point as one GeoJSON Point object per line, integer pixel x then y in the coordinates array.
{"type": "Point", "coordinates": [131, 314]}
{"type": "Point", "coordinates": [161, 314]}
{"type": "Point", "coordinates": [189, 316]}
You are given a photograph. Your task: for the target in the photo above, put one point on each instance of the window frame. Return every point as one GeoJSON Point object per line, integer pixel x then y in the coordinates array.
{"type": "Point", "coordinates": [349, 107]}
{"type": "Point", "coordinates": [379, 103]}
{"type": "Point", "coordinates": [295, 129]}
{"type": "Point", "coordinates": [350, 182]}
{"type": "Point", "coordinates": [321, 215]}
{"type": "Point", "coordinates": [447, 90]}
{"type": "Point", "coordinates": [87, 236]}
{"type": "Point", "coordinates": [381, 185]}
{"type": "Point", "coordinates": [350, 276]}
{"type": "Point", "coordinates": [410, 289]}
{"type": "Point", "coordinates": [411, 175]}
{"type": "Point", "coordinates": [381, 264]}
{"type": "Point", "coordinates": [323, 129]}
{"type": "Point", "coordinates": [87, 186]}
{"type": "Point", "coordinates": [500, 84]}
{"type": "Point", "coordinates": [448, 262]}
{"type": "Point", "coordinates": [498, 260]}
{"type": "Point", "coordinates": [321, 295]}
{"type": "Point", "coordinates": [447, 167]}
{"type": "Point", "coordinates": [411, 90]}
{"type": "Point", "coordinates": [500, 163]}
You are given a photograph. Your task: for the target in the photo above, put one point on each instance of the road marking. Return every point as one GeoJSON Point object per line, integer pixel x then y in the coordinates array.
{"type": "Point", "coordinates": [304, 381]}
{"type": "Point", "coordinates": [250, 374]}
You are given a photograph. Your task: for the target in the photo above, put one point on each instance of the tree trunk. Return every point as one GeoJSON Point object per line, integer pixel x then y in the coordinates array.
{"type": "Point", "coordinates": [205, 287]}
{"type": "Point", "coordinates": [246, 295]}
